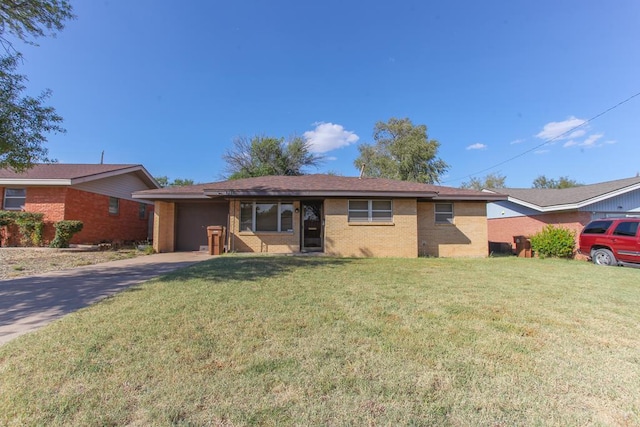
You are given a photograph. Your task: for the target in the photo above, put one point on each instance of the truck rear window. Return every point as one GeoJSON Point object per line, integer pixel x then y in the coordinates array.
{"type": "Point", "coordinates": [597, 227]}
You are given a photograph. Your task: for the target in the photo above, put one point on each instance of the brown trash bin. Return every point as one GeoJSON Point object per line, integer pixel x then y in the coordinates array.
{"type": "Point", "coordinates": [523, 246]}
{"type": "Point", "coordinates": [215, 233]}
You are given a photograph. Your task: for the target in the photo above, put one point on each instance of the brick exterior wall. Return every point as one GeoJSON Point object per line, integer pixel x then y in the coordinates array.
{"type": "Point", "coordinates": [466, 237]}
{"type": "Point", "coordinates": [99, 225]}
{"type": "Point", "coordinates": [503, 229]}
{"type": "Point", "coordinates": [63, 203]}
{"type": "Point", "coordinates": [268, 242]}
{"type": "Point", "coordinates": [413, 232]}
{"type": "Point", "coordinates": [164, 229]}
{"type": "Point", "coordinates": [396, 239]}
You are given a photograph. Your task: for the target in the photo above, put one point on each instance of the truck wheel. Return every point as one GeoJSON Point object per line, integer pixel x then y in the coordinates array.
{"type": "Point", "coordinates": [603, 257]}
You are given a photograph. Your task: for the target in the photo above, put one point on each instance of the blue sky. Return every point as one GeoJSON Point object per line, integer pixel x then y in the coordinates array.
{"type": "Point", "coordinates": [171, 84]}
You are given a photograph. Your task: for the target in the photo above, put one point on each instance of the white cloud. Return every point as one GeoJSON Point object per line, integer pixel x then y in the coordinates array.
{"type": "Point", "coordinates": [477, 146]}
{"type": "Point", "coordinates": [517, 141]}
{"type": "Point", "coordinates": [328, 136]}
{"type": "Point", "coordinates": [592, 139]}
{"type": "Point", "coordinates": [554, 129]}
{"type": "Point", "coordinates": [611, 141]}
{"type": "Point", "coordinates": [570, 143]}
{"type": "Point", "coordinates": [541, 151]}
{"type": "Point", "coordinates": [577, 134]}
{"type": "Point", "coordinates": [331, 158]}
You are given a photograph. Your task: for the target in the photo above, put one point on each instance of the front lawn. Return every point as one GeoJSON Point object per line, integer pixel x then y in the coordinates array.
{"type": "Point", "coordinates": [323, 341]}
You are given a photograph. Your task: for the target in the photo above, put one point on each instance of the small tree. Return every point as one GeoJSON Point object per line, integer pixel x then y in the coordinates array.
{"type": "Point", "coordinates": [554, 242]}
{"type": "Point", "coordinates": [64, 232]}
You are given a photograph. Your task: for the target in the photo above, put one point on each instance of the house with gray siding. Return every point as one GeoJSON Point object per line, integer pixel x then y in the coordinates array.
{"type": "Point", "coordinates": [528, 210]}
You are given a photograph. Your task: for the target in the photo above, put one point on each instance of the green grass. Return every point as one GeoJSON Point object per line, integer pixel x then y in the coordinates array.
{"type": "Point", "coordinates": [323, 341]}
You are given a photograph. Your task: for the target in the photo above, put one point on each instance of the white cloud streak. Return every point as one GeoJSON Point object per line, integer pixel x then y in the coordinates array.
{"type": "Point", "coordinates": [477, 146]}
{"type": "Point", "coordinates": [592, 139]}
{"type": "Point", "coordinates": [554, 129]}
{"type": "Point", "coordinates": [329, 136]}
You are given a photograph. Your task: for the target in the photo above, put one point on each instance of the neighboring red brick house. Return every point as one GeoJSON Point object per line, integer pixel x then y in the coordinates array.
{"type": "Point", "coordinates": [99, 195]}
{"type": "Point", "coordinates": [528, 210]}
{"type": "Point", "coordinates": [340, 216]}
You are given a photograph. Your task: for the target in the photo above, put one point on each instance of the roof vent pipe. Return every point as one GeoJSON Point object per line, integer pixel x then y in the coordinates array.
{"type": "Point", "coordinates": [361, 171]}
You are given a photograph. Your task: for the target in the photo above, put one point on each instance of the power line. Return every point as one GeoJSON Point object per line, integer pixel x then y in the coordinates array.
{"type": "Point", "coordinates": [547, 141]}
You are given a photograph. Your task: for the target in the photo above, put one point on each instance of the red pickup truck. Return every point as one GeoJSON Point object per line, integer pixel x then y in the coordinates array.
{"type": "Point", "coordinates": [612, 241]}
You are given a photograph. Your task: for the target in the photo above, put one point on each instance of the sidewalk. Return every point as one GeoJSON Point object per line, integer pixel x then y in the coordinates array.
{"type": "Point", "coordinates": [29, 303]}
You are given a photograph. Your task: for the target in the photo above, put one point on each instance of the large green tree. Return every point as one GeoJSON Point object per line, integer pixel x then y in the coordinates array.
{"type": "Point", "coordinates": [28, 20]}
{"type": "Point", "coordinates": [490, 181]}
{"type": "Point", "coordinates": [25, 120]}
{"type": "Point", "coordinates": [401, 151]}
{"type": "Point", "coordinates": [562, 182]}
{"type": "Point", "coordinates": [263, 155]}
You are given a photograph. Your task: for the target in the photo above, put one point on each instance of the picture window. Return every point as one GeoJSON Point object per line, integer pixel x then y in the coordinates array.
{"type": "Point", "coordinates": [266, 216]}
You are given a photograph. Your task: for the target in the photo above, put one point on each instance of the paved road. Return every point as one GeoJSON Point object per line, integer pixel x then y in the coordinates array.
{"type": "Point", "coordinates": [29, 303]}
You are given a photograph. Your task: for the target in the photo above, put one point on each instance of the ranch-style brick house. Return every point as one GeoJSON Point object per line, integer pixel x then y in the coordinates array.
{"type": "Point", "coordinates": [341, 216]}
{"type": "Point", "coordinates": [528, 210]}
{"type": "Point", "coordinates": [99, 195]}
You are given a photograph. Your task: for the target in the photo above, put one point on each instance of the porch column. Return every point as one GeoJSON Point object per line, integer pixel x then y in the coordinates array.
{"type": "Point", "coordinates": [164, 215]}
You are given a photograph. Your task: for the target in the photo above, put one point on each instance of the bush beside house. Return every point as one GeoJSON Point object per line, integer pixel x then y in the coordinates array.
{"type": "Point", "coordinates": [64, 232]}
{"type": "Point", "coordinates": [554, 242]}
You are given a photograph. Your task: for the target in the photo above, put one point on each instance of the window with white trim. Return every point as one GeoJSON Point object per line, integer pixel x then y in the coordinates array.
{"type": "Point", "coordinates": [266, 216]}
{"type": "Point", "coordinates": [14, 198]}
{"type": "Point", "coordinates": [370, 211]}
{"type": "Point", "coordinates": [444, 213]}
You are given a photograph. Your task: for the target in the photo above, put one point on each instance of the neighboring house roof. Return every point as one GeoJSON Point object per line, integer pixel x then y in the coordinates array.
{"type": "Point", "coordinates": [316, 186]}
{"type": "Point", "coordinates": [548, 200]}
{"type": "Point", "coordinates": [71, 174]}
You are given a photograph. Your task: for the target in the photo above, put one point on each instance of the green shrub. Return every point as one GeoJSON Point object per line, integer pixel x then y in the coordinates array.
{"type": "Point", "coordinates": [64, 232]}
{"type": "Point", "coordinates": [30, 225]}
{"type": "Point", "coordinates": [555, 242]}
{"type": "Point", "coordinates": [6, 218]}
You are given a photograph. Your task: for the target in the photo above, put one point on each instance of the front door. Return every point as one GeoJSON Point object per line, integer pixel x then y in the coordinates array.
{"type": "Point", "coordinates": [312, 226]}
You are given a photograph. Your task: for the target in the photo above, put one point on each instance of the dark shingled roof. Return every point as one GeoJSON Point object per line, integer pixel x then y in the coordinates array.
{"type": "Point", "coordinates": [317, 185]}
{"type": "Point", "coordinates": [62, 171]}
{"type": "Point", "coordinates": [569, 196]}
{"type": "Point", "coordinates": [81, 172]}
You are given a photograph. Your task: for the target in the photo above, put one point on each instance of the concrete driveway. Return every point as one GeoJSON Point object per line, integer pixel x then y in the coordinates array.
{"type": "Point", "coordinates": [29, 303]}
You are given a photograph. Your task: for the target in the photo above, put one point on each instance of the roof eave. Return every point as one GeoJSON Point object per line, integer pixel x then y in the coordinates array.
{"type": "Point", "coordinates": [576, 205]}
{"type": "Point", "coordinates": [609, 195]}
{"type": "Point", "coordinates": [34, 182]}
{"type": "Point", "coordinates": [551, 208]}
{"type": "Point", "coordinates": [479, 198]}
{"type": "Point", "coordinates": [170, 196]}
{"type": "Point", "coordinates": [142, 173]}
